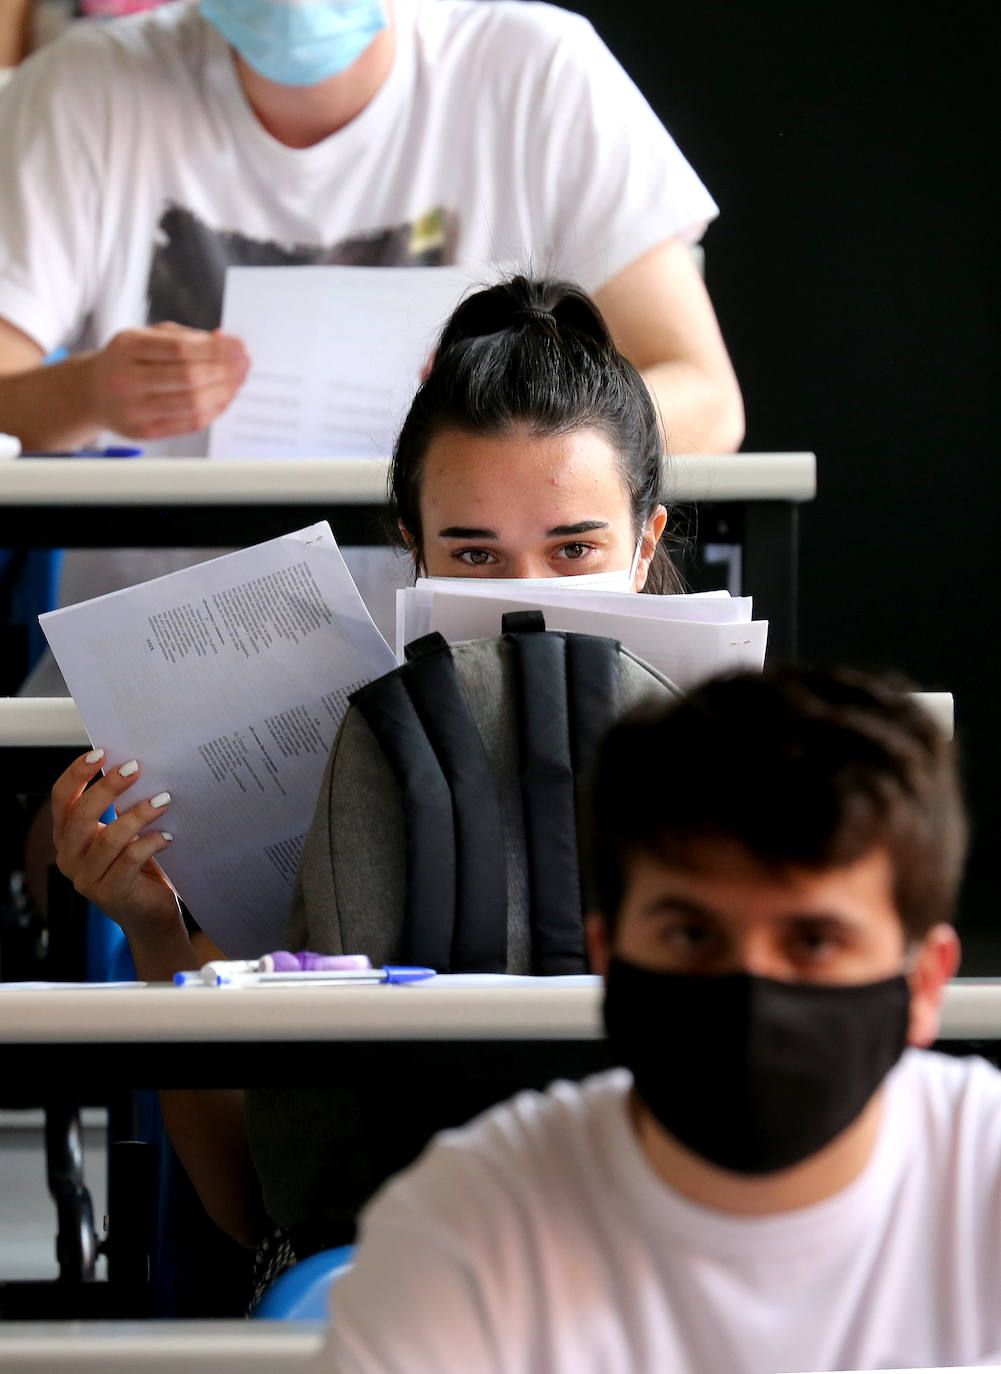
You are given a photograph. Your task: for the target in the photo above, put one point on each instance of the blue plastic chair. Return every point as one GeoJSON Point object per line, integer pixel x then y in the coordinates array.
{"type": "Point", "coordinates": [34, 577]}
{"type": "Point", "coordinates": [302, 1293]}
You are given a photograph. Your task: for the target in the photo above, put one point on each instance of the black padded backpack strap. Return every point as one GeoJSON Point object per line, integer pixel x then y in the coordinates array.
{"type": "Point", "coordinates": [429, 913]}
{"type": "Point", "coordinates": [479, 940]}
{"type": "Point", "coordinates": [547, 788]}
{"type": "Point", "coordinates": [593, 664]}
{"type": "Point", "coordinates": [522, 622]}
{"type": "Point", "coordinates": [593, 667]}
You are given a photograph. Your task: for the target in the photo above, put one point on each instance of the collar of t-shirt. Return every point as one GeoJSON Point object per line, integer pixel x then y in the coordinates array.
{"type": "Point", "coordinates": [669, 1217]}
{"type": "Point", "coordinates": [368, 128]}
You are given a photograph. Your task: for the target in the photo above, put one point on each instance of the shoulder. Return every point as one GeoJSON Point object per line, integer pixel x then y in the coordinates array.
{"type": "Point", "coordinates": [510, 1157]}
{"type": "Point", "coordinates": [131, 53]}
{"type": "Point", "coordinates": [952, 1101]}
{"type": "Point", "coordinates": [522, 32]}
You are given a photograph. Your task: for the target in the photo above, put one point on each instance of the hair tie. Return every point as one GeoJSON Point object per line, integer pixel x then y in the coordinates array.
{"type": "Point", "coordinates": [526, 314]}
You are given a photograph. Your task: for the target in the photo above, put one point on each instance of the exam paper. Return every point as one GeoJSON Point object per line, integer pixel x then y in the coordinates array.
{"type": "Point", "coordinates": [686, 652]}
{"type": "Point", "coordinates": [228, 682]}
{"type": "Point", "coordinates": [336, 354]}
{"type": "Point", "coordinates": [413, 604]}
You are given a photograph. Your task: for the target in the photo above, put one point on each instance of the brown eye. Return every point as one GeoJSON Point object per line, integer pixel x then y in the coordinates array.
{"type": "Point", "coordinates": [574, 551]}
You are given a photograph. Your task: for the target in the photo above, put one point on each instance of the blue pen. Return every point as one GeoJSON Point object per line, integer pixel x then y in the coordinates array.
{"type": "Point", "coordinates": [390, 973]}
{"type": "Point", "coordinates": [114, 451]}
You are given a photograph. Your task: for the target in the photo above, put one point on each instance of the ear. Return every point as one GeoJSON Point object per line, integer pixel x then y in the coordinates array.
{"type": "Point", "coordinates": [652, 531]}
{"type": "Point", "coordinates": [410, 542]}
{"type": "Point", "coordinates": [936, 962]}
{"type": "Point", "coordinates": [596, 934]}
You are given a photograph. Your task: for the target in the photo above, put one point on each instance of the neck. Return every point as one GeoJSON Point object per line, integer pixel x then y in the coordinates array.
{"type": "Point", "coordinates": [821, 1176]}
{"type": "Point", "coordinates": [300, 116]}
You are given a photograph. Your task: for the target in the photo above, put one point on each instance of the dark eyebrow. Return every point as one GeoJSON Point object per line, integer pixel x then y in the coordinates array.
{"type": "Point", "coordinates": [557, 532]}
{"type": "Point", "coordinates": [462, 532]}
{"type": "Point", "coordinates": [829, 919]}
{"type": "Point", "coordinates": [582, 527]}
{"type": "Point", "coordinates": [679, 906]}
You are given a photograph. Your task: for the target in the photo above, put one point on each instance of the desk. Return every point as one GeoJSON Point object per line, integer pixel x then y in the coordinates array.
{"type": "Point", "coordinates": [98, 1039]}
{"type": "Point", "coordinates": [40, 736]}
{"type": "Point", "coordinates": [156, 1347]}
{"type": "Point", "coordinates": [750, 499]}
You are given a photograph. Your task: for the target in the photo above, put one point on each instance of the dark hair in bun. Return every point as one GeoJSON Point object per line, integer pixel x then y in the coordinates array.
{"type": "Point", "coordinates": [536, 353]}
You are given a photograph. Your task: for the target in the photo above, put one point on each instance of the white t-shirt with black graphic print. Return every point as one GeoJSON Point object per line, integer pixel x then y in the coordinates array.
{"type": "Point", "coordinates": [133, 168]}
{"type": "Point", "coordinates": [539, 1239]}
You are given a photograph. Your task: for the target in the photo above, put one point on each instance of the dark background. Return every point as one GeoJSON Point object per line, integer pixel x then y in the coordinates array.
{"type": "Point", "coordinates": [854, 270]}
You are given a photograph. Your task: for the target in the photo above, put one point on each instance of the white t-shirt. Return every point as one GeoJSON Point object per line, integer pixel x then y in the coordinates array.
{"type": "Point", "coordinates": [133, 171]}
{"type": "Point", "coordinates": [538, 1240]}
{"type": "Point", "coordinates": [133, 167]}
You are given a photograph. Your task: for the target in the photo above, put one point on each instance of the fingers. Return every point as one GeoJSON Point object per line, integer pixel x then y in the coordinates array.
{"type": "Point", "coordinates": [188, 376]}
{"type": "Point", "coordinates": [183, 412]}
{"type": "Point", "coordinates": [70, 785]}
{"type": "Point", "coordinates": [174, 343]}
{"type": "Point", "coordinates": [107, 869]}
{"type": "Point", "coordinates": [76, 815]}
{"type": "Point", "coordinates": [167, 379]}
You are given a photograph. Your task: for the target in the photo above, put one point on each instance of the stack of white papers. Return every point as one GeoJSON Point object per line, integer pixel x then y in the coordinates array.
{"type": "Point", "coordinates": [687, 637]}
{"type": "Point", "coordinates": [228, 681]}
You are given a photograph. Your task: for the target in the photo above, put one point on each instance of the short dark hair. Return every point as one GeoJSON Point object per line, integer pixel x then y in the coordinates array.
{"type": "Point", "coordinates": [804, 768]}
{"type": "Point", "coordinates": [536, 353]}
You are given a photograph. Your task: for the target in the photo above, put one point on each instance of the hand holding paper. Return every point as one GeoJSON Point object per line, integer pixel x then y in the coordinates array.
{"type": "Point", "coordinates": [113, 864]}
{"type": "Point", "coordinates": [228, 681]}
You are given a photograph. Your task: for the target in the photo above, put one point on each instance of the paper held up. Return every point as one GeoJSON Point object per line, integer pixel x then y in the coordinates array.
{"type": "Point", "coordinates": [688, 638]}
{"type": "Point", "coordinates": [228, 681]}
{"type": "Point", "coordinates": [336, 356]}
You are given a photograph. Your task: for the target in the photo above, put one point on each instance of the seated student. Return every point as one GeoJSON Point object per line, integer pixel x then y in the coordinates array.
{"type": "Point", "coordinates": [139, 159]}
{"type": "Point", "coordinates": [531, 450]}
{"type": "Point", "coordinates": [773, 1181]}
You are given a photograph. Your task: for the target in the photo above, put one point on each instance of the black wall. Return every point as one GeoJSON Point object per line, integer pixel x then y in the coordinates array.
{"type": "Point", "coordinates": [854, 268]}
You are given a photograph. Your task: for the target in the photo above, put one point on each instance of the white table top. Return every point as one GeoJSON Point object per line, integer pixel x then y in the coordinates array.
{"type": "Point", "coordinates": [161, 1347]}
{"type": "Point", "coordinates": [345, 481]}
{"type": "Point", "coordinates": [54, 722]}
{"type": "Point", "coordinates": [158, 1347]}
{"type": "Point", "coordinates": [543, 1010]}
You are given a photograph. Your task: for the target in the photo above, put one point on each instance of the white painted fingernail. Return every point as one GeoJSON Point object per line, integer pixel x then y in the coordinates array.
{"type": "Point", "coordinates": [161, 799]}
{"type": "Point", "coordinates": [127, 769]}
{"type": "Point", "coordinates": [93, 756]}
{"type": "Point", "coordinates": [166, 835]}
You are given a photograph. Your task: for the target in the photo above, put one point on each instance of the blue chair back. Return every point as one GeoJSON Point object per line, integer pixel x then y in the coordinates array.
{"type": "Point", "coordinates": [301, 1294]}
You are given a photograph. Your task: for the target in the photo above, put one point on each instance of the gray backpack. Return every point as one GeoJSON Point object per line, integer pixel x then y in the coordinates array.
{"type": "Point", "coordinates": [446, 829]}
{"type": "Point", "coordinates": [444, 835]}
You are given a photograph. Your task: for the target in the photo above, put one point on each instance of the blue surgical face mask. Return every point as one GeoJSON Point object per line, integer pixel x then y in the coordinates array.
{"type": "Point", "coordinates": [297, 42]}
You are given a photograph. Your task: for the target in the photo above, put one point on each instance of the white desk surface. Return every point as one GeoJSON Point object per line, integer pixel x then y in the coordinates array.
{"type": "Point", "coordinates": [158, 1347]}
{"type": "Point", "coordinates": [134, 1015]}
{"type": "Point", "coordinates": [54, 722]}
{"type": "Point", "coordinates": [346, 481]}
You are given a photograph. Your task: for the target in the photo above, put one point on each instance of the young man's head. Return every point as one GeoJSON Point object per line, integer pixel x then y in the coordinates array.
{"type": "Point", "coordinates": [775, 864]}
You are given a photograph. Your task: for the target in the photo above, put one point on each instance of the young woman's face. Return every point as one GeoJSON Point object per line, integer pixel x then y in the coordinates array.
{"type": "Point", "coordinates": [517, 505]}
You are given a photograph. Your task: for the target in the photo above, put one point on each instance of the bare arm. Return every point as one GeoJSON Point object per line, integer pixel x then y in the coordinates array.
{"type": "Point", "coordinates": [112, 868]}
{"type": "Point", "coordinates": [661, 317]}
{"type": "Point", "coordinates": [15, 22]}
{"type": "Point", "coordinates": [146, 383]}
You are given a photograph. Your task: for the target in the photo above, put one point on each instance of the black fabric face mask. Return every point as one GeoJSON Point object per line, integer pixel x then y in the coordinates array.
{"type": "Point", "coordinates": [751, 1073]}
